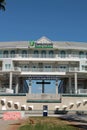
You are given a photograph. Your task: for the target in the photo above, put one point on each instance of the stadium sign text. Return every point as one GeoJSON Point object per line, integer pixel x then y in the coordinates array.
{"type": "Point", "coordinates": [33, 44]}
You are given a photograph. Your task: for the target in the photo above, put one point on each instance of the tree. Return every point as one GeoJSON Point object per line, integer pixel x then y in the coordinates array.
{"type": "Point", "coordinates": [2, 5]}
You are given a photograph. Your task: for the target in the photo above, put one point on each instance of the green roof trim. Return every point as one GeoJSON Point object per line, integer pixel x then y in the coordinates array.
{"type": "Point", "coordinates": [13, 94]}
{"type": "Point", "coordinates": [43, 101]}
{"type": "Point", "coordinates": [74, 95]}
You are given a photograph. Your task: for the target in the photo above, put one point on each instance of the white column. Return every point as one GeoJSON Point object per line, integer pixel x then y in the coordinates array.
{"type": "Point", "coordinates": [0, 84]}
{"type": "Point", "coordinates": [10, 81]}
{"type": "Point", "coordinates": [56, 86]}
{"type": "Point", "coordinates": [70, 87]}
{"type": "Point", "coordinates": [75, 83]}
{"type": "Point", "coordinates": [16, 88]}
{"type": "Point", "coordinates": [30, 86]}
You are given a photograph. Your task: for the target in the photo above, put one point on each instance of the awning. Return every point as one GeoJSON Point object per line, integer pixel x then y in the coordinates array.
{"type": "Point", "coordinates": [71, 104]}
{"type": "Point", "coordinates": [3, 101]}
{"type": "Point", "coordinates": [64, 107]}
{"type": "Point", "coordinates": [78, 102]}
{"type": "Point", "coordinates": [9, 103]}
{"type": "Point", "coordinates": [30, 107]}
{"type": "Point", "coordinates": [16, 105]}
{"type": "Point", "coordinates": [23, 107]}
{"type": "Point", "coordinates": [57, 107]}
{"type": "Point", "coordinates": [84, 100]}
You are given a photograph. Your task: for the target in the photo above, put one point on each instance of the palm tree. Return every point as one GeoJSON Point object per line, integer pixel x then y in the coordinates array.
{"type": "Point", "coordinates": [2, 5]}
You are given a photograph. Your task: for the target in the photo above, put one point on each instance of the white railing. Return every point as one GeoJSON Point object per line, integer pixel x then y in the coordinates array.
{"type": "Point", "coordinates": [43, 56]}
{"type": "Point", "coordinates": [2, 90]}
{"type": "Point", "coordinates": [17, 69]}
{"type": "Point", "coordinates": [82, 91]}
{"type": "Point", "coordinates": [37, 69]}
{"type": "Point", "coordinates": [40, 69]}
{"type": "Point", "coordinates": [71, 69]}
{"type": "Point", "coordinates": [12, 69]}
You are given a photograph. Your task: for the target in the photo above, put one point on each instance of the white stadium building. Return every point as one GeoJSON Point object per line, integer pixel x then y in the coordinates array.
{"type": "Point", "coordinates": [34, 74]}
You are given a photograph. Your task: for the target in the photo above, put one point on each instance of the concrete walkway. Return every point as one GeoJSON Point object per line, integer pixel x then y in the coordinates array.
{"type": "Point", "coordinates": [6, 124]}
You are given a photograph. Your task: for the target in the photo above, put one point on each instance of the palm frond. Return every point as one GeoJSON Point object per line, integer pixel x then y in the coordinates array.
{"type": "Point", "coordinates": [2, 7]}
{"type": "Point", "coordinates": [2, 1]}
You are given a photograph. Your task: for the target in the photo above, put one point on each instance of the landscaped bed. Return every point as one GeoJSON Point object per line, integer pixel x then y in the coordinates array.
{"type": "Point", "coordinates": [46, 123]}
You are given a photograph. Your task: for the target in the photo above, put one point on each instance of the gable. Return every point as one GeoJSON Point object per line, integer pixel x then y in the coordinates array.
{"type": "Point", "coordinates": [44, 40]}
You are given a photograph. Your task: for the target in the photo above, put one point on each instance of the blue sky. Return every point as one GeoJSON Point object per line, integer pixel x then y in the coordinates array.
{"type": "Point", "coordinates": [48, 88]}
{"type": "Point", "coordinates": [60, 20]}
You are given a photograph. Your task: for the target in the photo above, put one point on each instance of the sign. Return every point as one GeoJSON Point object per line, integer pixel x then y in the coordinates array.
{"type": "Point", "coordinates": [33, 44]}
{"type": "Point", "coordinates": [12, 116]}
{"type": "Point", "coordinates": [41, 77]}
{"type": "Point", "coordinates": [43, 45]}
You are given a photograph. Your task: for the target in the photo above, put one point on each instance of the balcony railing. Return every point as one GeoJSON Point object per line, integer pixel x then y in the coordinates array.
{"type": "Point", "coordinates": [71, 69]}
{"type": "Point", "coordinates": [2, 90]}
{"type": "Point", "coordinates": [43, 56]}
{"type": "Point", "coordinates": [82, 91]}
{"type": "Point", "coordinates": [15, 69]}
{"type": "Point", "coordinates": [38, 69]}
{"type": "Point", "coordinates": [74, 69]}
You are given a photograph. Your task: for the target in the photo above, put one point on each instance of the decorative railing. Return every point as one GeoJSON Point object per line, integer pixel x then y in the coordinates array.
{"type": "Point", "coordinates": [43, 56]}
{"type": "Point", "coordinates": [82, 91]}
{"type": "Point", "coordinates": [38, 69]}
{"type": "Point", "coordinates": [11, 69]}
{"type": "Point", "coordinates": [71, 69]}
{"type": "Point", "coordinates": [2, 90]}
{"type": "Point", "coordinates": [74, 69]}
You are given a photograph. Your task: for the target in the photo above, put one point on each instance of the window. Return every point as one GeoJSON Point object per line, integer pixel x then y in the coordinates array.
{"type": "Point", "coordinates": [36, 54]}
{"type": "Point", "coordinates": [51, 54]}
{"type": "Point", "coordinates": [86, 54]}
{"type": "Point", "coordinates": [5, 54]}
{"type": "Point", "coordinates": [62, 54]}
{"type": "Point", "coordinates": [25, 68]}
{"type": "Point", "coordinates": [48, 68]}
{"type": "Point", "coordinates": [43, 54]}
{"type": "Point", "coordinates": [12, 53]}
{"type": "Point", "coordinates": [24, 53]}
{"type": "Point", "coordinates": [81, 54]}
{"type": "Point", "coordinates": [0, 54]}
{"type": "Point", "coordinates": [62, 68]}
{"type": "Point", "coordinates": [7, 66]}
{"type": "Point", "coordinates": [34, 68]}
{"type": "Point", "coordinates": [84, 68]}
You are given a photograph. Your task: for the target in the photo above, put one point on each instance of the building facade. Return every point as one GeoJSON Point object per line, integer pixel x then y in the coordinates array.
{"type": "Point", "coordinates": [42, 61]}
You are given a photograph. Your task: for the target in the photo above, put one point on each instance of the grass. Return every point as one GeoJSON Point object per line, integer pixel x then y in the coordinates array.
{"type": "Point", "coordinates": [46, 127]}
{"type": "Point", "coordinates": [46, 123]}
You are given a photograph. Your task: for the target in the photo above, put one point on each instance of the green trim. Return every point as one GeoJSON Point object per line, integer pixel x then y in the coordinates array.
{"type": "Point", "coordinates": [74, 95]}
{"type": "Point", "coordinates": [60, 112]}
{"type": "Point", "coordinates": [14, 94]}
{"type": "Point", "coordinates": [43, 101]}
{"type": "Point", "coordinates": [43, 46]}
